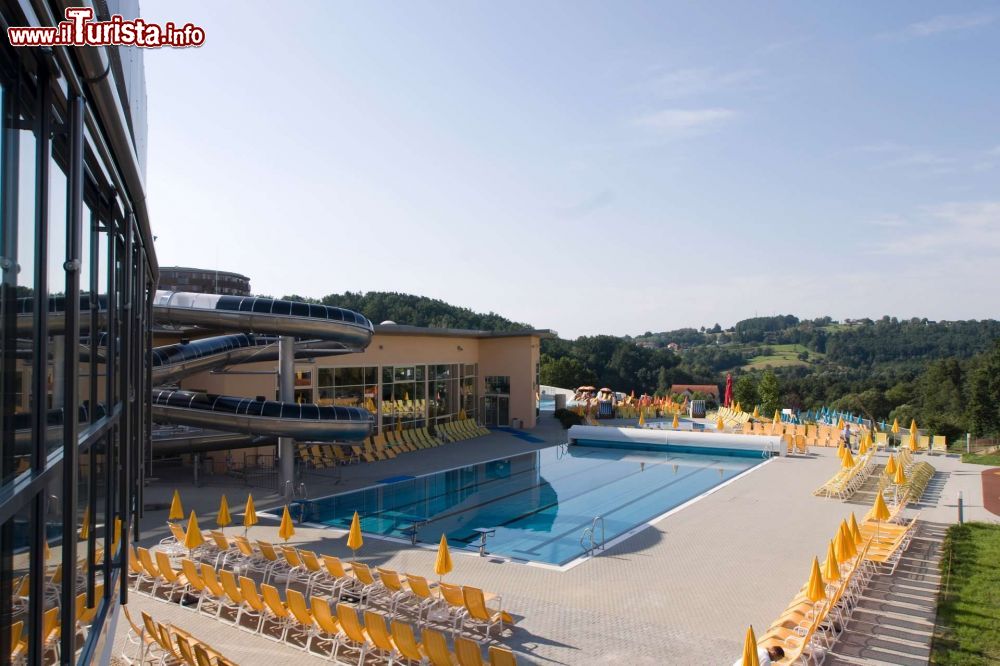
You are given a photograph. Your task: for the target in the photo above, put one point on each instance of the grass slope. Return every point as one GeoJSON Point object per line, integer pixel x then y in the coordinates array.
{"type": "Point", "coordinates": [783, 356]}
{"type": "Point", "coordinates": [967, 629]}
{"type": "Point", "coordinates": [992, 459]}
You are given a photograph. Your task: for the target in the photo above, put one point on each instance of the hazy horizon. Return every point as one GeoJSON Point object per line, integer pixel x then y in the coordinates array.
{"type": "Point", "coordinates": [586, 167]}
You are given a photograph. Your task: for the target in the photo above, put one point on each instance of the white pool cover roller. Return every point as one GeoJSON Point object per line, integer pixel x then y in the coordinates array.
{"type": "Point", "coordinates": [654, 438]}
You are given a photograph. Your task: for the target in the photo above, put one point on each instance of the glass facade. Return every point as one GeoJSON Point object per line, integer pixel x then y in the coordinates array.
{"type": "Point", "coordinates": [406, 396]}
{"type": "Point", "coordinates": [351, 387]}
{"type": "Point", "coordinates": [496, 401]}
{"type": "Point", "coordinates": [498, 384]}
{"type": "Point", "coordinates": [79, 275]}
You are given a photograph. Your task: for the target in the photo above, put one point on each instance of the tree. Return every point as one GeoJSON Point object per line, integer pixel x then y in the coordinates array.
{"type": "Point", "coordinates": [770, 392]}
{"type": "Point", "coordinates": [565, 372]}
{"type": "Point", "coordinates": [984, 396]}
{"type": "Point", "coordinates": [940, 392]}
{"type": "Point", "coordinates": [662, 381]}
{"type": "Point", "coordinates": [745, 391]}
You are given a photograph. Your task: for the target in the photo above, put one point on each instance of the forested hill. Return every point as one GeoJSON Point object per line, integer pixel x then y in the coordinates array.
{"type": "Point", "coordinates": [859, 342]}
{"type": "Point", "coordinates": [412, 310]}
{"type": "Point", "coordinates": [946, 374]}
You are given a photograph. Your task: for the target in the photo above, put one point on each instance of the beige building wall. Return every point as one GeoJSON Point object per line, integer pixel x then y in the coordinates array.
{"type": "Point", "coordinates": [516, 357]}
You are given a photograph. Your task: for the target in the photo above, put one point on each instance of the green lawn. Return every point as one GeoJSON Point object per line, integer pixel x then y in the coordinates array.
{"type": "Point", "coordinates": [783, 356]}
{"type": "Point", "coordinates": [967, 630]}
{"type": "Point", "coordinates": [982, 458]}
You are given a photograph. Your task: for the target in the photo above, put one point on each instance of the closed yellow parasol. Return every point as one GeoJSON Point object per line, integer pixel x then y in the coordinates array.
{"type": "Point", "coordinates": [286, 530]}
{"type": "Point", "coordinates": [176, 510]}
{"type": "Point", "coordinates": [193, 537]}
{"type": "Point", "coordinates": [223, 518]}
{"type": "Point", "coordinates": [442, 565]}
{"type": "Point", "coordinates": [354, 540]}
{"type": "Point", "coordinates": [831, 568]}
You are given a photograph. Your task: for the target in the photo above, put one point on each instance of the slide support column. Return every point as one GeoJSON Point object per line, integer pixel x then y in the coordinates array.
{"type": "Point", "coordinates": [286, 445]}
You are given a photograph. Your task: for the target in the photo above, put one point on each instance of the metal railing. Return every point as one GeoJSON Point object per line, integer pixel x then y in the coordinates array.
{"type": "Point", "coordinates": [295, 490]}
{"type": "Point", "coordinates": [255, 469]}
{"type": "Point", "coordinates": [588, 540]}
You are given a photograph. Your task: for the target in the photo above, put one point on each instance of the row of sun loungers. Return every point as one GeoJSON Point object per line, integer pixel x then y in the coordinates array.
{"type": "Point", "coordinates": [51, 628]}
{"type": "Point", "coordinates": [807, 630]}
{"type": "Point", "coordinates": [223, 585]}
{"type": "Point", "coordinates": [819, 434]}
{"type": "Point", "coordinates": [847, 481]}
{"type": "Point", "coordinates": [51, 632]}
{"type": "Point", "coordinates": [389, 444]}
{"type": "Point", "coordinates": [733, 418]}
{"type": "Point", "coordinates": [321, 456]}
{"type": "Point", "coordinates": [167, 644]}
{"type": "Point", "coordinates": [918, 477]}
{"type": "Point", "coordinates": [50, 638]}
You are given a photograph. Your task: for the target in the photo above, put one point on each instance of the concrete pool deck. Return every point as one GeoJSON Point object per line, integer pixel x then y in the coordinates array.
{"type": "Point", "coordinates": [681, 591]}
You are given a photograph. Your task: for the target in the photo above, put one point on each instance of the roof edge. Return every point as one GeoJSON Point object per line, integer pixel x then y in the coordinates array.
{"type": "Point", "coordinates": [405, 329]}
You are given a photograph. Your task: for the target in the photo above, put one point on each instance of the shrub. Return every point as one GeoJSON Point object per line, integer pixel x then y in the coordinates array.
{"type": "Point", "coordinates": [568, 418]}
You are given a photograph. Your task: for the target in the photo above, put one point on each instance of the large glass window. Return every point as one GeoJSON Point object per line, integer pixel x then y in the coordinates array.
{"type": "Point", "coordinates": [470, 372]}
{"type": "Point", "coordinates": [72, 402]}
{"type": "Point", "coordinates": [404, 399]}
{"type": "Point", "coordinates": [348, 387]}
{"type": "Point", "coordinates": [498, 384]}
{"type": "Point", "coordinates": [444, 392]}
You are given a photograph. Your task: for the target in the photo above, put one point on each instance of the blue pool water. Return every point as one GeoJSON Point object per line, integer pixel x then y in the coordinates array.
{"type": "Point", "coordinates": [539, 503]}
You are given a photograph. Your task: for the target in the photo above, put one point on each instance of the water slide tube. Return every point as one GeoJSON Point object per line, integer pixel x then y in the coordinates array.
{"type": "Point", "coordinates": [330, 331]}
{"type": "Point", "coordinates": [319, 330]}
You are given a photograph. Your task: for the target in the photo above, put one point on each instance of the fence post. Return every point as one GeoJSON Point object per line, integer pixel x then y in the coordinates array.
{"type": "Point", "coordinates": [961, 515]}
{"type": "Point", "coordinates": [968, 443]}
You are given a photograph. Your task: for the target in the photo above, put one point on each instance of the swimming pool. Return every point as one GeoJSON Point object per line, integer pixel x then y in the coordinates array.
{"type": "Point", "coordinates": [539, 503]}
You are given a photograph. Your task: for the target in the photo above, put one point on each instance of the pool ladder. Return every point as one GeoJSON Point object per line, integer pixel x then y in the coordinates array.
{"type": "Point", "coordinates": [588, 540]}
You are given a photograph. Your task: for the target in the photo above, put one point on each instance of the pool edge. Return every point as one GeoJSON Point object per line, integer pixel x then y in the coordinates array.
{"type": "Point", "coordinates": [534, 563]}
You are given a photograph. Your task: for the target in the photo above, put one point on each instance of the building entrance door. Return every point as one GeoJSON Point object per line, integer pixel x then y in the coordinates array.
{"type": "Point", "coordinates": [496, 410]}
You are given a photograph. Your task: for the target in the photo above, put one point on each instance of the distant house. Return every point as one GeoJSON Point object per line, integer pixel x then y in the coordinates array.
{"type": "Point", "coordinates": [673, 346]}
{"type": "Point", "coordinates": [689, 390]}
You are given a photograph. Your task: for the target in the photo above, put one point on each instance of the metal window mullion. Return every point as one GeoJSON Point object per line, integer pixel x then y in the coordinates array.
{"type": "Point", "coordinates": [142, 353]}
{"type": "Point", "coordinates": [92, 453]}
{"type": "Point", "coordinates": [39, 387]}
{"type": "Point", "coordinates": [147, 403]}
{"type": "Point", "coordinates": [125, 430]}
{"type": "Point", "coordinates": [71, 371]}
{"type": "Point", "coordinates": [8, 371]}
{"type": "Point", "coordinates": [110, 367]}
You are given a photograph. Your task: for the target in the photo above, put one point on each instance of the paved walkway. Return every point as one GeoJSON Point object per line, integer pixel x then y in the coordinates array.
{"type": "Point", "coordinates": [681, 591]}
{"type": "Point", "coordinates": [894, 620]}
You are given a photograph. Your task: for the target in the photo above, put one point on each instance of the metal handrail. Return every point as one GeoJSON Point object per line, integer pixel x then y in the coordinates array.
{"type": "Point", "coordinates": [590, 533]}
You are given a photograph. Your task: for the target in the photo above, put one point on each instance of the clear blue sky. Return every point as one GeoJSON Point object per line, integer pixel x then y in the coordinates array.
{"type": "Point", "coordinates": [592, 167]}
